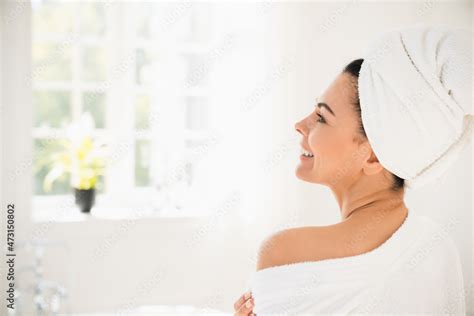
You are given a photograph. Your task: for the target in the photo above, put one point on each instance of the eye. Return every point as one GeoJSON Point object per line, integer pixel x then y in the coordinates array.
{"type": "Point", "coordinates": [320, 119]}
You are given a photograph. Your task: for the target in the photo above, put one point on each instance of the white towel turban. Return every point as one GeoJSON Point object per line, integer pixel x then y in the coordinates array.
{"type": "Point", "coordinates": [415, 90]}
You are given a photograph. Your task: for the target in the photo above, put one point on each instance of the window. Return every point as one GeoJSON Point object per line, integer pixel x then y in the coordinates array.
{"type": "Point", "coordinates": [140, 71]}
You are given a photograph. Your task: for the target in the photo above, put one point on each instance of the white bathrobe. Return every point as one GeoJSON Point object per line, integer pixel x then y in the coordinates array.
{"type": "Point", "coordinates": [416, 271]}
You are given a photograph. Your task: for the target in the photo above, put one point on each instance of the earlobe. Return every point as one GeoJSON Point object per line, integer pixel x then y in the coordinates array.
{"type": "Point", "coordinates": [372, 165]}
{"type": "Point", "coordinates": [372, 168]}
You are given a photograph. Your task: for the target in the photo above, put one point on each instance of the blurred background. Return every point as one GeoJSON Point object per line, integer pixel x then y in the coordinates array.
{"type": "Point", "coordinates": [148, 147]}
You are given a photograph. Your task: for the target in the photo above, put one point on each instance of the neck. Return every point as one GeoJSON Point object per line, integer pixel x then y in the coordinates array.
{"type": "Point", "coordinates": [366, 195]}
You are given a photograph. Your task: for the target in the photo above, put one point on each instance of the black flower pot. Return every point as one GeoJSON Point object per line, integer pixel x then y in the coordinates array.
{"type": "Point", "coordinates": [84, 199]}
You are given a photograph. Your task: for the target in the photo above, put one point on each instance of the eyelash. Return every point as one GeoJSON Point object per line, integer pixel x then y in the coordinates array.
{"type": "Point", "coordinates": [323, 120]}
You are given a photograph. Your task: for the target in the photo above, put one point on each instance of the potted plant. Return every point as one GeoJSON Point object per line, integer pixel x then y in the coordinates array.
{"type": "Point", "coordinates": [83, 159]}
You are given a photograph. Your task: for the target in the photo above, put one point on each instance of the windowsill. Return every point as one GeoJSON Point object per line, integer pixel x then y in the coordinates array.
{"type": "Point", "coordinates": [61, 209]}
{"type": "Point", "coordinates": [73, 214]}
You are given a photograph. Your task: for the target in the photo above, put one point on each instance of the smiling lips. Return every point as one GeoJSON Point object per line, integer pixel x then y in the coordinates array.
{"type": "Point", "coordinates": [306, 153]}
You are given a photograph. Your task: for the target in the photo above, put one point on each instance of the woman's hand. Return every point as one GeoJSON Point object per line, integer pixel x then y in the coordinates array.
{"type": "Point", "coordinates": [244, 305]}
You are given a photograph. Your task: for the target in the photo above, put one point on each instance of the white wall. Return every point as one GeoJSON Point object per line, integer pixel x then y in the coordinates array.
{"type": "Point", "coordinates": [258, 157]}
{"type": "Point", "coordinates": [15, 126]}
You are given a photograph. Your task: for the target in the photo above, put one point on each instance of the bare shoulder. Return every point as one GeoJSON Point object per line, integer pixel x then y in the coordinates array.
{"type": "Point", "coordinates": [311, 243]}
{"type": "Point", "coordinates": [308, 243]}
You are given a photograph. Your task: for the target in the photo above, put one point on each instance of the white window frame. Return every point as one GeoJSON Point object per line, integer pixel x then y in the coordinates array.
{"type": "Point", "coordinates": [120, 174]}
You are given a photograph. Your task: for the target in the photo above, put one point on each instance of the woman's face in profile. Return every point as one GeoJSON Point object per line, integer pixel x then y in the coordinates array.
{"type": "Point", "coordinates": [330, 136]}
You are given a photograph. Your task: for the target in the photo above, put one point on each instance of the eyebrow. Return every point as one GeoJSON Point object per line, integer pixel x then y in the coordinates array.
{"type": "Point", "coordinates": [324, 105]}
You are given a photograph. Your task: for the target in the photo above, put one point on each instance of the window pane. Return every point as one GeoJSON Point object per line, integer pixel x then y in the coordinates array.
{"type": "Point", "coordinates": [200, 18]}
{"type": "Point", "coordinates": [51, 62]}
{"type": "Point", "coordinates": [144, 18]}
{"type": "Point", "coordinates": [180, 26]}
{"type": "Point", "coordinates": [143, 66]}
{"type": "Point", "coordinates": [142, 162]}
{"type": "Point", "coordinates": [194, 148]}
{"type": "Point", "coordinates": [42, 163]}
{"type": "Point", "coordinates": [169, 20]}
{"type": "Point", "coordinates": [51, 109]}
{"type": "Point", "coordinates": [184, 21]}
{"type": "Point", "coordinates": [92, 18]}
{"type": "Point", "coordinates": [94, 103]}
{"type": "Point", "coordinates": [52, 17]}
{"type": "Point", "coordinates": [142, 112]}
{"type": "Point", "coordinates": [197, 70]}
{"type": "Point", "coordinates": [100, 185]}
{"type": "Point", "coordinates": [94, 65]}
{"type": "Point", "coordinates": [196, 113]}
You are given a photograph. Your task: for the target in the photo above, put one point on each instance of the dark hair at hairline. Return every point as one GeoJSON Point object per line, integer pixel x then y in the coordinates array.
{"type": "Point", "coordinates": [353, 69]}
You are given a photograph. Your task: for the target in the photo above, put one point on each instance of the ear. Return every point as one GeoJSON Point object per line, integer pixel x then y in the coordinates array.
{"type": "Point", "coordinates": [371, 164]}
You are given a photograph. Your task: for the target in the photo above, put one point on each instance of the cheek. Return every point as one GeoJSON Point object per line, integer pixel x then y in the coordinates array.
{"type": "Point", "coordinates": [323, 142]}
{"type": "Point", "coordinates": [330, 148]}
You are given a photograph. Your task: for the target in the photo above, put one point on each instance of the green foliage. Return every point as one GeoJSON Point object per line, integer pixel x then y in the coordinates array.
{"type": "Point", "coordinates": [84, 161]}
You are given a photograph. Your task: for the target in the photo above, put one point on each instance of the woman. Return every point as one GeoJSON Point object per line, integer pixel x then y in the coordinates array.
{"type": "Point", "coordinates": [397, 118]}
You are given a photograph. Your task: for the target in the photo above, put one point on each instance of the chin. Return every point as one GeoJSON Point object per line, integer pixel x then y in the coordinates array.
{"type": "Point", "coordinates": [303, 175]}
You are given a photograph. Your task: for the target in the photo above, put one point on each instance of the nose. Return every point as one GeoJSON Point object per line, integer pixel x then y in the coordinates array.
{"type": "Point", "coordinates": [300, 127]}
